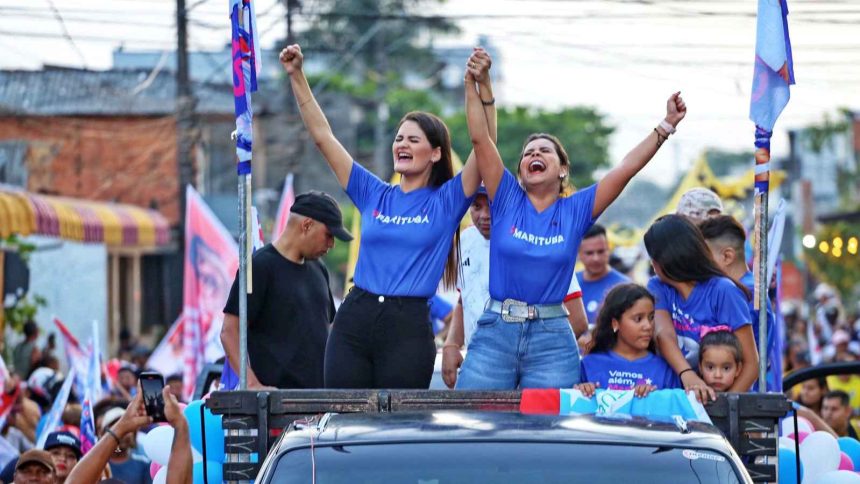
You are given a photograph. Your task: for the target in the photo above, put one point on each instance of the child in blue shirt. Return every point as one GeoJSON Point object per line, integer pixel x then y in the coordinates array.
{"type": "Point", "coordinates": [720, 357]}
{"type": "Point", "coordinates": [692, 292]}
{"type": "Point", "coordinates": [624, 356]}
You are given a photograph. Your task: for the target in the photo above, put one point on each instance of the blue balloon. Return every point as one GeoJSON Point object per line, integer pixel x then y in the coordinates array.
{"type": "Point", "coordinates": [214, 437]}
{"type": "Point", "coordinates": [214, 471]}
{"type": "Point", "coordinates": [788, 467]}
{"type": "Point", "coordinates": [195, 426]}
{"type": "Point", "coordinates": [211, 424]}
{"type": "Point", "coordinates": [851, 447]}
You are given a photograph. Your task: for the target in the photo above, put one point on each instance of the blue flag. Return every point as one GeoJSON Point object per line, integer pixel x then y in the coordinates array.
{"type": "Point", "coordinates": [658, 405]}
{"type": "Point", "coordinates": [774, 69]}
{"type": "Point", "coordinates": [54, 419]}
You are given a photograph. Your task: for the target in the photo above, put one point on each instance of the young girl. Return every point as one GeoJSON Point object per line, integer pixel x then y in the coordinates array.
{"type": "Point", "coordinates": [692, 292]}
{"type": "Point", "coordinates": [523, 338]}
{"type": "Point", "coordinates": [380, 337]}
{"type": "Point", "coordinates": [624, 356]}
{"type": "Point", "coordinates": [720, 357]}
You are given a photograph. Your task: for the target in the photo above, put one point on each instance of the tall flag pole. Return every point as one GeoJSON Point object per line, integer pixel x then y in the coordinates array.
{"type": "Point", "coordinates": [772, 76]}
{"type": "Point", "coordinates": [246, 66]}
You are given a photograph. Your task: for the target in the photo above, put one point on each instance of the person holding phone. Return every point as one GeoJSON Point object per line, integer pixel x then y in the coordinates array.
{"type": "Point", "coordinates": [91, 468]}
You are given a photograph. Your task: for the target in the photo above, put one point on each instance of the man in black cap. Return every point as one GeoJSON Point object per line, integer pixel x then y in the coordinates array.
{"type": "Point", "coordinates": [65, 450]}
{"type": "Point", "coordinates": [35, 467]}
{"type": "Point", "coordinates": [291, 306]}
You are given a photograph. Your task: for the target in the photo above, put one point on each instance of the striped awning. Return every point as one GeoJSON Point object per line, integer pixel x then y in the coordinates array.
{"type": "Point", "coordinates": [114, 224]}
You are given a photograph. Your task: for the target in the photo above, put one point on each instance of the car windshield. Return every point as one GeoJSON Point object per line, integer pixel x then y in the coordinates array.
{"type": "Point", "coordinates": [509, 462]}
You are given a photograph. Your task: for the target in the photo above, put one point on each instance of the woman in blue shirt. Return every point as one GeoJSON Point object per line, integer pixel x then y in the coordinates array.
{"type": "Point", "coordinates": [381, 336]}
{"type": "Point", "coordinates": [691, 291]}
{"type": "Point", "coordinates": [523, 339]}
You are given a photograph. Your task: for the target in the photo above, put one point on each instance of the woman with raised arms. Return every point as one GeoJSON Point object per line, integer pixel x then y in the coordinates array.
{"type": "Point", "coordinates": [523, 339]}
{"type": "Point", "coordinates": [381, 336]}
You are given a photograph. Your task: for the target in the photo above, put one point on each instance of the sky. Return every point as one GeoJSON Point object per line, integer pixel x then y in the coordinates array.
{"type": "Point", "coordinates": [623, 57]}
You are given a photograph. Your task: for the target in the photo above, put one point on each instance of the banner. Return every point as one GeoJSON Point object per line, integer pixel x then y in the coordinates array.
{"type": "Point", "coordinates": [657, 405]}
{"type": "Point", "coordinates": [288, 197]}
{"type": "Point", "coordinates": [6, 400]}
{"type": "Point", "coordinates": [211, 262]}
{"type": "Point", "coordinates": [77, 357]}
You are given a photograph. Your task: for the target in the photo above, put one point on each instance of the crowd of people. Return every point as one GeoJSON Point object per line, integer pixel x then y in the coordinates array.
{"type": "Point", "coordinates": [525, 317]}
{"type": "Point", "coordinates": [30, 452]}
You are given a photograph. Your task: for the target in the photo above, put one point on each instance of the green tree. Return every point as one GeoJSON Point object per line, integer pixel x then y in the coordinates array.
{"type": "Point", "coordinates": [367, 31]}
{"type": "Point", "coordinates": [376, 45]}
{"type": "Point", "coordinates": [583, 131]}
{"type": "Point", "coordinates": [26, 306]}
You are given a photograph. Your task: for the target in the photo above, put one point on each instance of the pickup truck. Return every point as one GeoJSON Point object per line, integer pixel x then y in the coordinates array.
{"type": "Point", "coordinates": [441, 437]}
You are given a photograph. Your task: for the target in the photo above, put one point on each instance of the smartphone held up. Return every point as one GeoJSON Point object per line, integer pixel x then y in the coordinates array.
{"type": "Point", "coordinates": [151, 385]}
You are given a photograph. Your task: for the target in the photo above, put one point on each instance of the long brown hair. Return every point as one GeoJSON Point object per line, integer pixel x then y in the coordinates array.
{"type": "Point", "coordinates": [562, 158]}
{"type": "Point", "coordinates": [443, 170]}
{"type": "Point", "coordinates": [615, 304]}
{"type": "Point", "coordinates": [679, 248]}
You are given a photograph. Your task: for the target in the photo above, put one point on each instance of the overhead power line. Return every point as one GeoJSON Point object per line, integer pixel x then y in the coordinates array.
{"type": "Point", "coordinates": [66, 34]}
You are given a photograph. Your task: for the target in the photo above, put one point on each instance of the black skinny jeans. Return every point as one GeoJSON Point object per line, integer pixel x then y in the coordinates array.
{"type": "Point", "coordinates": [380, 342]}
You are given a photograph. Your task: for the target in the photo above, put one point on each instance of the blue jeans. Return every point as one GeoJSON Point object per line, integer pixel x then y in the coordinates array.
{"type": "Point", "coordinates": [538, 353]}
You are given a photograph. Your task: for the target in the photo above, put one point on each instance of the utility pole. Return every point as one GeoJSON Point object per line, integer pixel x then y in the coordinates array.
{"type": "Point", "coordinates": [295, 144]}
{"type": "Point", "coordinates": [184, 113]}
{"type": "Point", "coordinates": [381, 146]}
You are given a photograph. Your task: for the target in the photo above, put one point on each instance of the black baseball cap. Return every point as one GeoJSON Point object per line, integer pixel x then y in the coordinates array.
{"type": "Point", "coordinates": [324, 209]}
{"type": "Point", "coordinates": [63, 439]}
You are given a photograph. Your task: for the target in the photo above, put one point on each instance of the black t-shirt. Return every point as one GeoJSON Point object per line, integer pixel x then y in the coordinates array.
{"type": "Point", "coordinates": [288, 316]}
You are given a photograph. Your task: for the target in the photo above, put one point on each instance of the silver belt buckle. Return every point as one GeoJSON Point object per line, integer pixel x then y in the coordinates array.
{"type": "Point", "coordinates": [508, 304]}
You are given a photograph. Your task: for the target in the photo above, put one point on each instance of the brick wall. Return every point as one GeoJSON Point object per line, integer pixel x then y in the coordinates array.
{"type": "Point", "coordinates": [113, 159]}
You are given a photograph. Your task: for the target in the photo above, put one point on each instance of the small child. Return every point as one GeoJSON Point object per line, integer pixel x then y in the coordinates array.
{"type": "Point", "coordinates": [623, 357]}
{"type": "Point", "coordinates": [720, 360]}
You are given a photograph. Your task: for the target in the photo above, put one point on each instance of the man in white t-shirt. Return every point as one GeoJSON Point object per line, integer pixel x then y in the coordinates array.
{"type": "Point", "coordinates": [474, 288]}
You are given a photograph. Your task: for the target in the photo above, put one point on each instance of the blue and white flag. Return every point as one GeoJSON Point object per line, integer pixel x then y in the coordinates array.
{"type": "Point", "coordinates": [54, 418]}
{"type": "Point", "coordinates": [657, 405]}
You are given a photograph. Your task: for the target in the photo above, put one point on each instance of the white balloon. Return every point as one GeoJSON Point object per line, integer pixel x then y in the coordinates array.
{"type": "Point", "coordinates": [787, 443]}
{"type": "Point", "coordinates": [787, 426]}
{"type": "Point", "coordinates": [837, 477]}
{"type": "Point", "coordinates": [157, 443]}
{"type": "Point", "coordinates": [819, 454]}
{"type": "Point", "coordinates": [160, 476]}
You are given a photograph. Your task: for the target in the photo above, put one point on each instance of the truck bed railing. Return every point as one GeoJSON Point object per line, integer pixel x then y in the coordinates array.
{"type": "Point", "coordinates": [253, 421]}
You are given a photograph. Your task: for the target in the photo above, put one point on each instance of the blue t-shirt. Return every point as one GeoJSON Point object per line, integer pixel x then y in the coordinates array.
{"type": "Point", "coordinates": [593, 292]}
{"type": "Point", "coordinates": [135, 470]}
{"type": "Point", "coordinates": [614, 372]}
{"type": "Point", "coordinates": [717, 301]}
{"type": "Point", "coordinates": [532, 253]}
{"type": "Point", "coordinates": [405, 237]}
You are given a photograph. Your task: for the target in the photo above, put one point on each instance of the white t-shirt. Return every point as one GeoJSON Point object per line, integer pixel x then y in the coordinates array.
{"type": "Point", "coordinates": [474, 280]}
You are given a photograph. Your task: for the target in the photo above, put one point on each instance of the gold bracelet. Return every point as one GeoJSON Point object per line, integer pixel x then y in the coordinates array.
{"type": "Point", "coordinates": [453, 345]}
